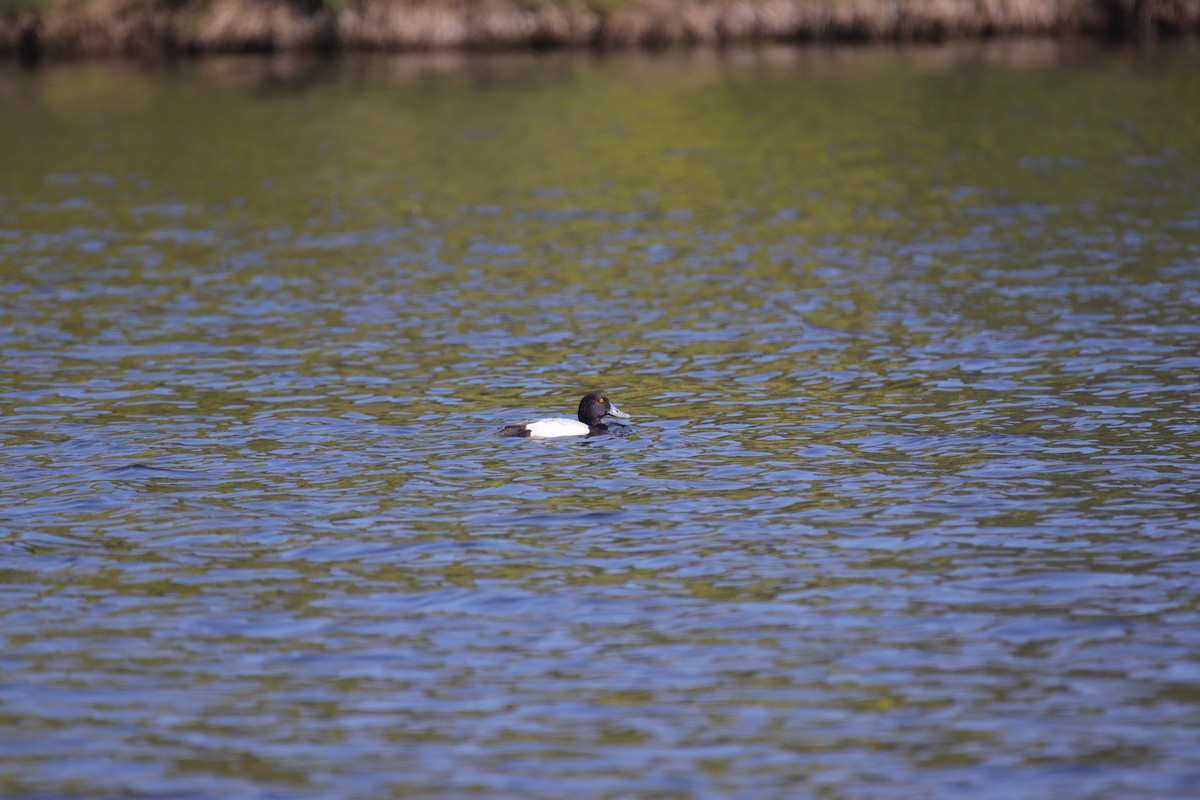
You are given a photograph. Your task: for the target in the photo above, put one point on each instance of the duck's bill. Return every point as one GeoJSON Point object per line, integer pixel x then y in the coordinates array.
{"type": "Point", "coordinates": [613, 411]}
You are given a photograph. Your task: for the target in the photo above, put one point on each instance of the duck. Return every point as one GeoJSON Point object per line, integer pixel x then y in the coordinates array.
{"type": "Point", "coordinates": [592, 408]}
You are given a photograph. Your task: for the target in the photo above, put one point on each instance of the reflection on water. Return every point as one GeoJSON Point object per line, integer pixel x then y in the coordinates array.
{"type": "Point", "coordinates": [908, 506]}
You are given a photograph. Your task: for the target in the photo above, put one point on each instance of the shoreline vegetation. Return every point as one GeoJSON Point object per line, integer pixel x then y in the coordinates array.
{"type": "Point", "coordinates": [147, 28]}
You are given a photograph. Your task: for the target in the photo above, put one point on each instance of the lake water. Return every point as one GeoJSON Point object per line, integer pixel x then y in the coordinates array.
{"type": "Point", "coordinates": [909, 505]}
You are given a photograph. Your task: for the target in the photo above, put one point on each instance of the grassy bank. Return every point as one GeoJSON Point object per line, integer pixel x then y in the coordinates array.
{"type": "Point", "coordinates": [151, 27]}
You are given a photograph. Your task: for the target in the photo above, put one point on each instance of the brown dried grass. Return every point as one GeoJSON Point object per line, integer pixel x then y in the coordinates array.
{"type": "Point", "coordinates": [88, 27]}
{"type": "Point", "coordinates": [101, 27]}
{"type": "Point", "coordinates": [268, 25]}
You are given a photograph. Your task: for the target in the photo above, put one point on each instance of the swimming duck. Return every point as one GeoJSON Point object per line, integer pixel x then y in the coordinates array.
{"type": "Point", "coordinates": [592, 408]}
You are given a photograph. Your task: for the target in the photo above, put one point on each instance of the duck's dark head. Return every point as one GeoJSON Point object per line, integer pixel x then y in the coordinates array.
{"type": "Point", "coordinates": [595, 406]}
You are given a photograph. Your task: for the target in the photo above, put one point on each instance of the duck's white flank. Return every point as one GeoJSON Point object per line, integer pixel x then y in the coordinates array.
{"type": "Point", "coordinates": [556, 426]}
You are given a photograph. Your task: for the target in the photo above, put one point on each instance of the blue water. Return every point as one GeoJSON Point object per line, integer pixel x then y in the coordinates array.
{"type": "Point", "coordinates": [909, 505]}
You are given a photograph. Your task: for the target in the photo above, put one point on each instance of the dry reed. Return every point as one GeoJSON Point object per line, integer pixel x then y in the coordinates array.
{"type": "Point", "coordinates": [89, 27]}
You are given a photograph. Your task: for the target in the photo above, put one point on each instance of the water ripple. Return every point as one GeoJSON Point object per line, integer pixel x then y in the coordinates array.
{"type": "Point", "coordinates": [908, 505]}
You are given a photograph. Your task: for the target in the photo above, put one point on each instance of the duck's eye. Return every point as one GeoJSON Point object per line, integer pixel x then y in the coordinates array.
{"type": "Point", "coordinates": [602, 399]}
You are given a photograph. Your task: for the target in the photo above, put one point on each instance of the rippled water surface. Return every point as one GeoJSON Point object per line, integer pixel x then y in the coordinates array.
{"type": "Point", "coordinates": [910, 501]}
